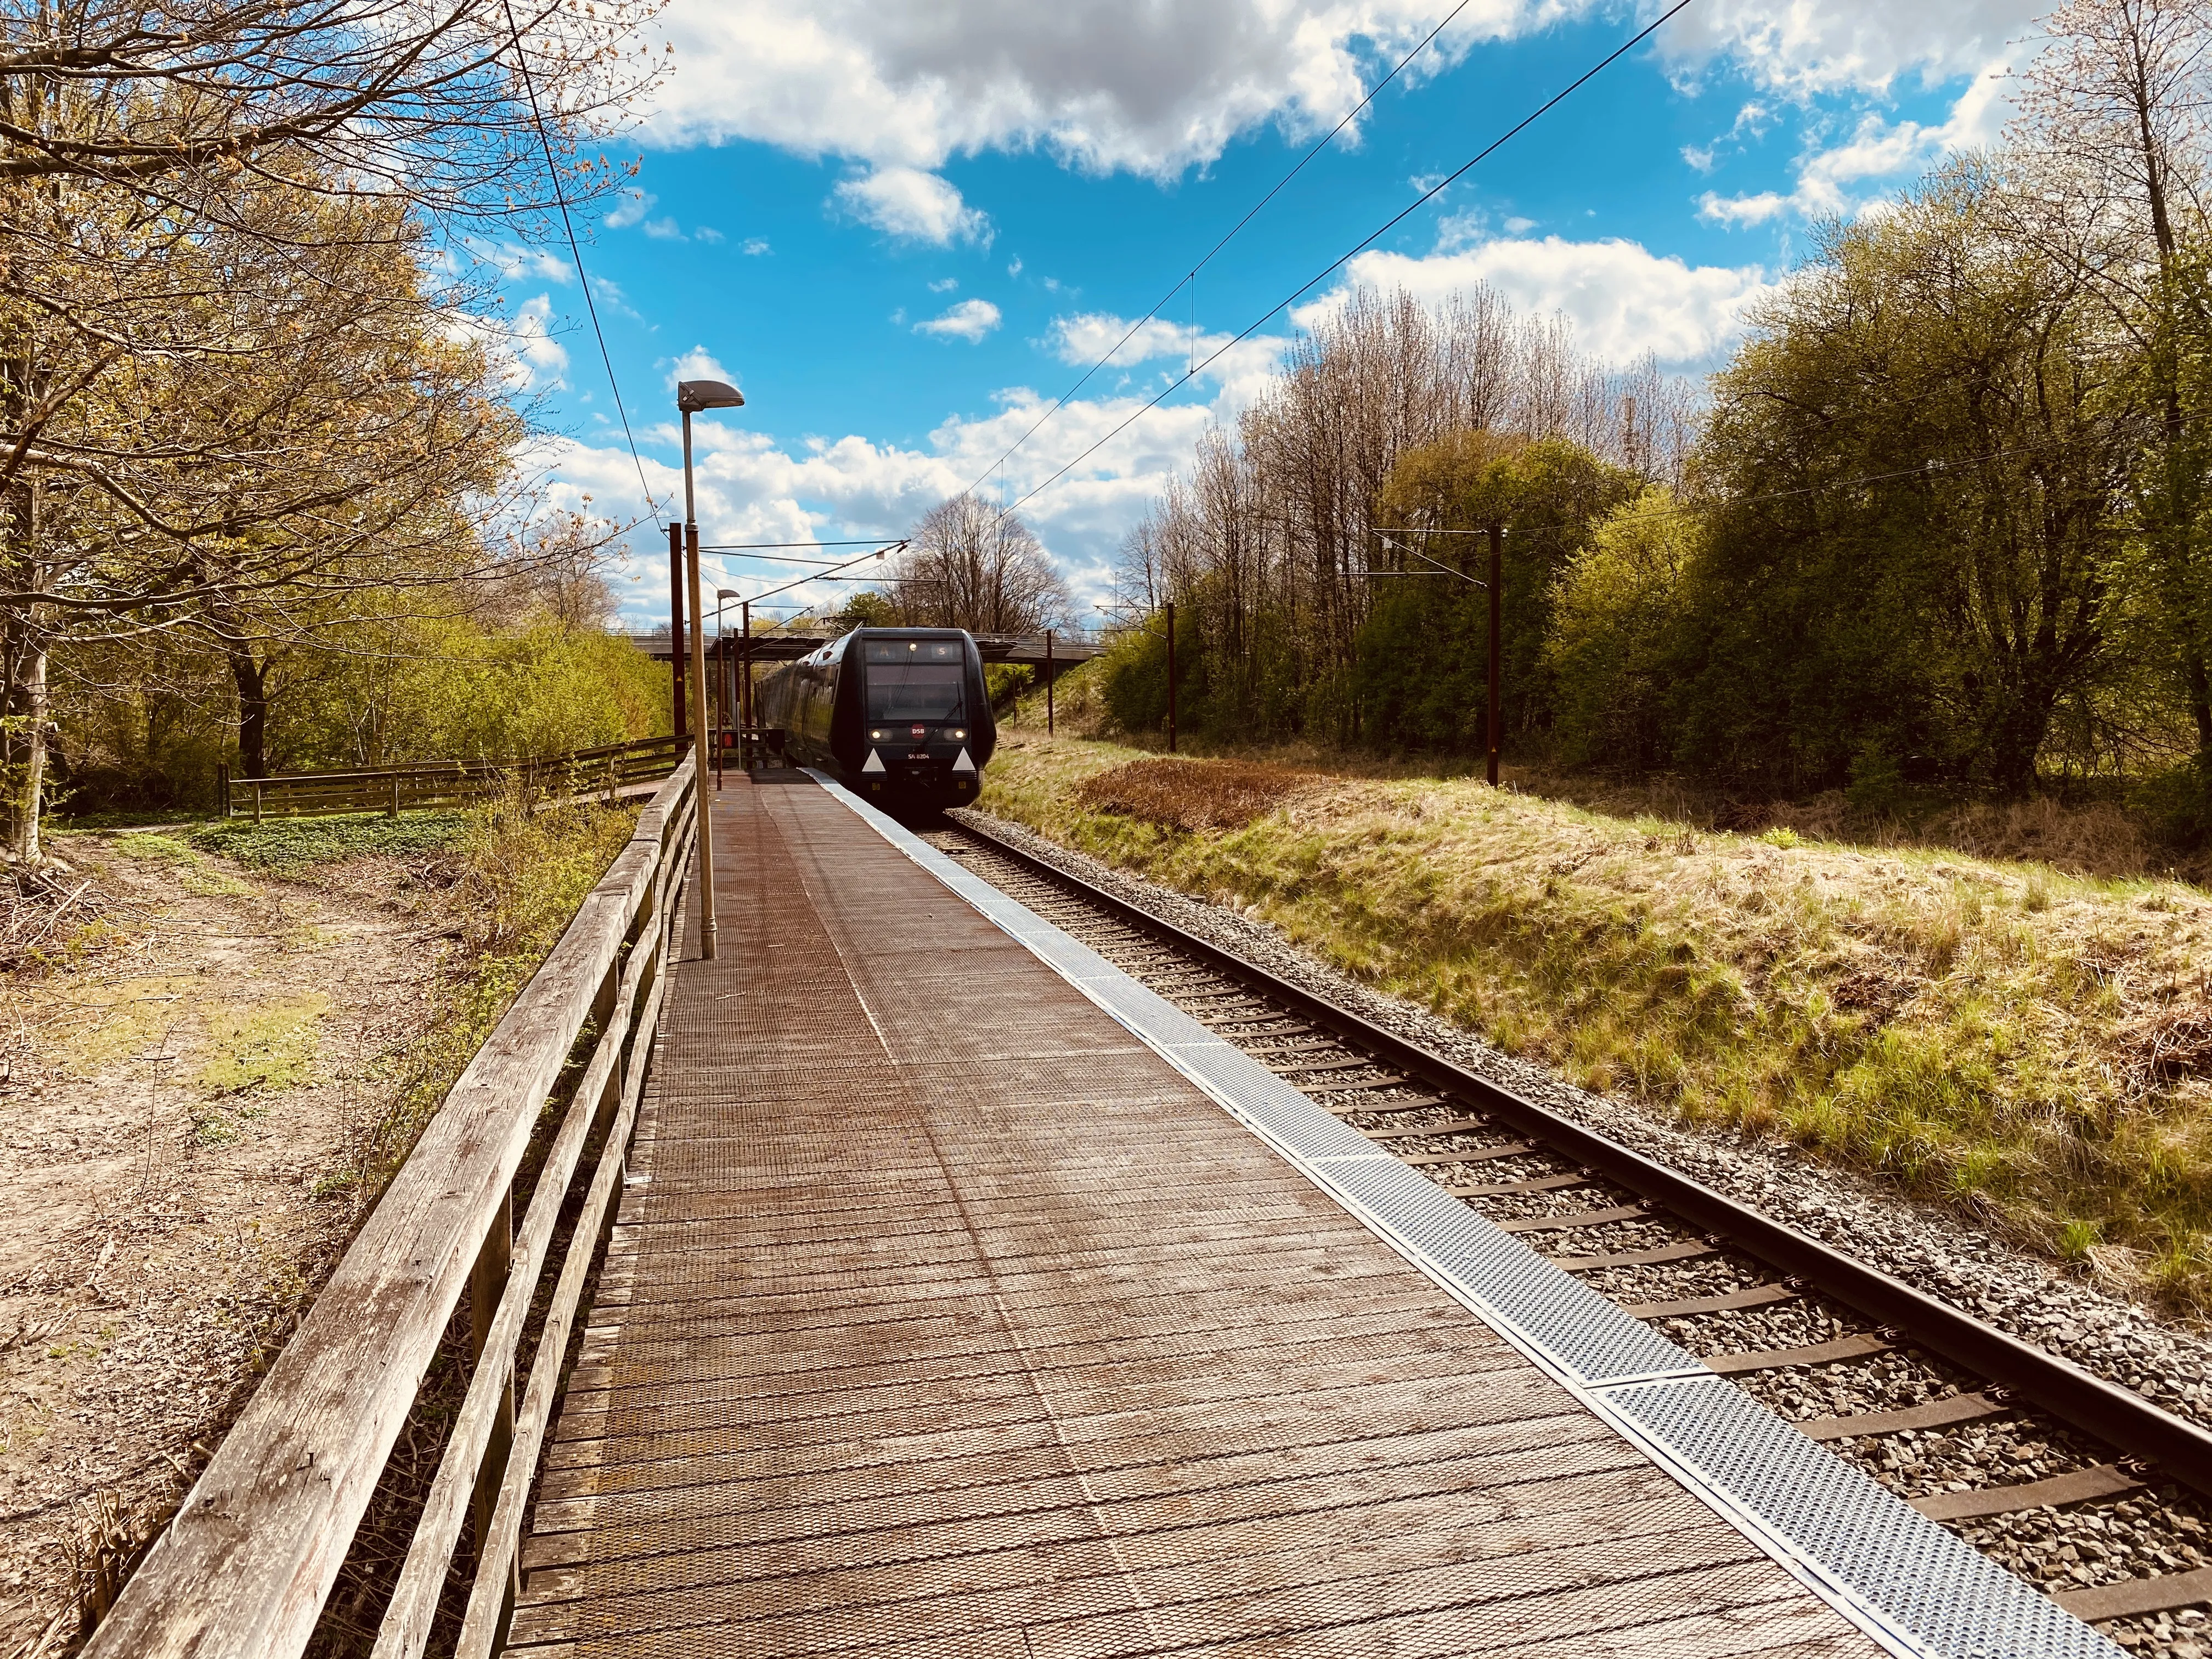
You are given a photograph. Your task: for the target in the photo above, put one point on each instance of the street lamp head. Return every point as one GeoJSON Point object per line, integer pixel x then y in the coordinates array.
{"type": "Point", "coordinates": [693, 396]}
{"type": "Point", "coordinates": [725, 593]}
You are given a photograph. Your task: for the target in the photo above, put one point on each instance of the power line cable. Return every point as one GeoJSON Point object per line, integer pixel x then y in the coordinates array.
{"type": "Point", "coordinates": [1395, 219]}
{"type": "Point", "coordinates": [567, 226]}
{"type": "Point", "coordinates": [1191, 278]}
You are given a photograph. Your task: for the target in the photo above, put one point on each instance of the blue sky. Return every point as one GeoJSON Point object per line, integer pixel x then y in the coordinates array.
{"type": "Point", "coordinates": [904, 226]}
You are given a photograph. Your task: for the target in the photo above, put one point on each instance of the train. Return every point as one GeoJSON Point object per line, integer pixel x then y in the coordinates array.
{"type": "Point", "coordinates": [901, 716]}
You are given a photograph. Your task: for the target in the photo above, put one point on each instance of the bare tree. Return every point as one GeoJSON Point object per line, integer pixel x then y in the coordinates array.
{"type": "Point", "coordinates": [2112, 142]}
{"type": "Point", "coordinates": [440, 105]}
{"type": "Point", "coordinates": [1267, 540]}
{"type": "Point", "coordinates": [226, 388]}
{"type": "Point", "coordinates": [2114, 110]}
{"type": "Point", "coordinates": [970, 566]}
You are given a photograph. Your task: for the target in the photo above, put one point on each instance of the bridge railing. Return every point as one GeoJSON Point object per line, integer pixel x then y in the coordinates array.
{"type": "Point", "coordinates": [246, 1567]}
{"type": "Point", "coordinates": [395, 789]}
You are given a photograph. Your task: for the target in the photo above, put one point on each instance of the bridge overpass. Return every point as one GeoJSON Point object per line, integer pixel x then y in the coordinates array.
{"type": "Point", "coordinates": [1030, 650]}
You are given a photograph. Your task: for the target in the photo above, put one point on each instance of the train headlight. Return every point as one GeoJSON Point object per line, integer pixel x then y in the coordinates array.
{"type": "Point", "coordinates": [955, 734]}
{"type": "Point", "coordinates": [877, 737]}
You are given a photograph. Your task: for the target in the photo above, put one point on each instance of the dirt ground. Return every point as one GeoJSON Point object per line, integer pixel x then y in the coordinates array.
{"type": "Point", "coordinates": [181, 1114]}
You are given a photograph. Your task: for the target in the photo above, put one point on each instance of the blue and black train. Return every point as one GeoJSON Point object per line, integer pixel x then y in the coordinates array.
{"type": "Point", "coordinates": [899, 716]}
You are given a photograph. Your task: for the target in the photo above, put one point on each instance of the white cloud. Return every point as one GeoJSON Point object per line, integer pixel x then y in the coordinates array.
{"type": "Point", "coordinates": [945, 285]}
{"type": "Point", "coordinates": [754, 246]}
{"type": "Point", "coordinates": [632, 206]}
{"type": "Point", "coordinates": [752, 487]}
{"type": "Point", "coordinates": [696, 364]}
{"type": "Point", "coordinates": [517, 263]}
{"type": "Point", "coordinates": [1157, 89]}
{"type": "Point", "coordinates": [1622, 299]}
{"type": "Point", "coordinates": [1807, 46]}
{"type": "Point", "coordinates": [969, 320]}
{"type": "Point", "coordinates": [523, 351]}
{"type": "Point", "coordinates": [544, 357]}
{"type": "Point", "coordinates": [1753, 120]}
{"type": "Point", "coordinates": [1101, 83]}
{"type": "Point", "coordinates": [913, 206]}
{"type": "Point", "coordinates": [709, 235]}
{"type": "Point", "coordinates": [1831, 181]}
{"type": "Point", "coordinates": [1236, 370]}
{"type": "Point", "coordinates": [665, 230]}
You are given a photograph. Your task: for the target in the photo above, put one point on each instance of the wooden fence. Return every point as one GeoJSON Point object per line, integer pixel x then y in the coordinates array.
{"type": "Point", "coordinates": [243, 1570]}
{"type": "Point", "coordinates": [394, 789]}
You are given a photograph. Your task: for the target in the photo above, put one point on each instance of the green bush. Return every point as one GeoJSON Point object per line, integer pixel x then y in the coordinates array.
{"type": "Point", "coordinates": [288, 844]}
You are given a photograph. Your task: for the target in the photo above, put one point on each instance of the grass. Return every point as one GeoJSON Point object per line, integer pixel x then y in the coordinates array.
{"type": "Point", "coordinates": [194, 873]}
{"type": "Point", "coordinates": [2030, 1048]}
{"type": "Point", "coordinates": [284, 845]}
{"type": "Point", "coordinates": [523, 870]}
{"type": "Point", "coordinates": [261, 1045]}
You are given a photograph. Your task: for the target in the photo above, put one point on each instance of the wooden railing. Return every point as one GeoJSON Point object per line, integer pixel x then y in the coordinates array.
{"type": "Point", "coordinates": [395, 789]}
{"type": "Point", "coordinates": [245, 1568]}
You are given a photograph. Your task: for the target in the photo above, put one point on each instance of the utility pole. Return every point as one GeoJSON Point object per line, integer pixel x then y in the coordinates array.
{"type": "Point", "coordinates": [1171, 678]}
{"type": "Point", "coordinates": [1497, 587]}
{"type": "Point", "coordinates": [679, 712]}
{"type": "Point", "coordinates": [1048, 682]}
{"type": "Point", "coordinates": [744, 680]}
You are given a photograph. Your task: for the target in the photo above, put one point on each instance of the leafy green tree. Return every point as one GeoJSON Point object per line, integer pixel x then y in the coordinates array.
{"type": "Point", "coordinates": [1914, 468]}
{"type": "Point", "coordinates": [1616, 610]}
{"type": "Point", "coordinates": [1423, 654]}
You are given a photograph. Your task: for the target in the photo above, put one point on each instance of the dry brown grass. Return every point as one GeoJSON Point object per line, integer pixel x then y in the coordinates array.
{"type": "Point", "coordinates": [1185, 794]}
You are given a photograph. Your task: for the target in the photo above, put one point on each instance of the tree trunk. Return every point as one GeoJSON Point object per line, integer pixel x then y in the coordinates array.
{"type": "Point", "coordinates": [251, 675]}
{"type": "Point", "coordinates": [24, 701]}
{"type": "Point", "coordinates": [2200, 702]}
{"type": "Point", "coordinates": [23, 747]}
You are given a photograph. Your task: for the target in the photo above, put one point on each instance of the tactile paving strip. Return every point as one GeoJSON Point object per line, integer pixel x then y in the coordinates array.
{"type": "Point", "coordinates": [1907, 1582]}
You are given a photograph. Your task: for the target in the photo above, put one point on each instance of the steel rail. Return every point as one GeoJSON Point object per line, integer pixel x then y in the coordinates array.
{"type": "Point", "coordinates": [2104, 1410]}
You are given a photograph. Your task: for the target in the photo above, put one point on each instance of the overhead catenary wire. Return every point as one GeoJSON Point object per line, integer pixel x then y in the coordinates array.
{"type": "Point", "coordinates": [740, 547]}
{"type": "Point", "coordinates": [1191, 277]}
{"type": "Point", "coordinates": [1384, 229]}
{"type": "Point", "coordinates": [576, 254]}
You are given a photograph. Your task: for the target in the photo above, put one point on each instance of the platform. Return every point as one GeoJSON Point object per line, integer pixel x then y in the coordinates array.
{"type": "Point", "coordinates": [943, 1316]}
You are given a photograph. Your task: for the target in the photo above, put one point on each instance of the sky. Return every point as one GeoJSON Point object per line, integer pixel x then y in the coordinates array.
{"type": "Point", "coordinates": [905, 227]}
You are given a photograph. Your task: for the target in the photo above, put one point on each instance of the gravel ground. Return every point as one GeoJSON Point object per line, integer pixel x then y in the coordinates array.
{"type": "Point", "coordinates": [2184, 1635]}
{"type": "Point", "coordinates": [1677, 1281]}
{"type": "Point", "coordinates": [2104, 1332]}
{"type": "Point", "coordinates": [2003, 1451]}
{"type": "Point", "coordinates": [2164, 1531]}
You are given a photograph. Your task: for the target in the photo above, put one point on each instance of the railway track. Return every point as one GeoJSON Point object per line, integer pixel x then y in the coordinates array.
{"type": "Point", "coordinates": [2083, 1488]}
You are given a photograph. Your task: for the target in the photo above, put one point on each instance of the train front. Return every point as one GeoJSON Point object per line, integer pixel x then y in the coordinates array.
{"type": "Point", "coordinates": [922, 730]}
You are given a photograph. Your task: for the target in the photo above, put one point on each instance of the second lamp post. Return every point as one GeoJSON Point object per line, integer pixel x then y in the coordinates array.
{"type": "Point", "coordinates": [691, 397]}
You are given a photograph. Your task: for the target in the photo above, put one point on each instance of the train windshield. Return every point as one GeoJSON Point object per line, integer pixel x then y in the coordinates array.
{"type": "Point", "coordinates": [916, 691]}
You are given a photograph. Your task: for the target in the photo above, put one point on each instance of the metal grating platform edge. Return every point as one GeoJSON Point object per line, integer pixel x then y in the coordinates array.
{"type": "Point", "coordinates": [1904, 1580]}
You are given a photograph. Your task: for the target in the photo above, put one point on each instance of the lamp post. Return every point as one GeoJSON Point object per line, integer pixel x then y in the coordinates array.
{"type": "Point", "coordinates": [692, 396]}
{"type": "Point", "coordinates": [722, 596]}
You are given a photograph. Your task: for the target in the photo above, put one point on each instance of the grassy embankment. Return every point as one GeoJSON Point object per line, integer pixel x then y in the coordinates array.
{"type": "Point", "coordinates": [2031, 1047]}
